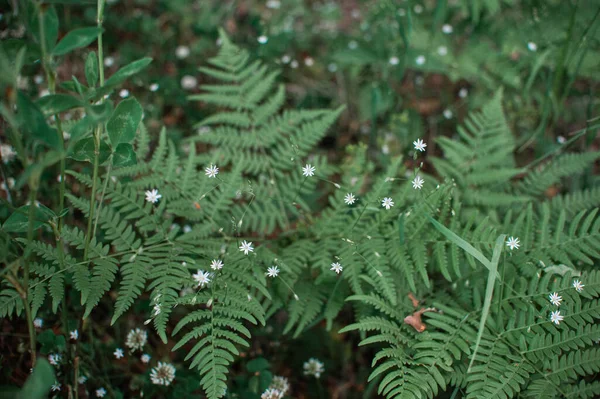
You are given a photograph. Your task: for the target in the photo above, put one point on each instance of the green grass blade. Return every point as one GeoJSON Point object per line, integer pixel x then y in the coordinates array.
{"type": "Point", "coordinates": [489, 291]}
{"type": "Point", "coordinates": [471, 250]}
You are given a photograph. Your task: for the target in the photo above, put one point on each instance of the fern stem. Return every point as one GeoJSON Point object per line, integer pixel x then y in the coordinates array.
{"type": "Point", "coordinates": [25, 294]}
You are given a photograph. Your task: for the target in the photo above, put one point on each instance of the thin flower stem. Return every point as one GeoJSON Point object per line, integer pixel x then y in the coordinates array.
{"type": "Point", "coordinates": [97, 134]}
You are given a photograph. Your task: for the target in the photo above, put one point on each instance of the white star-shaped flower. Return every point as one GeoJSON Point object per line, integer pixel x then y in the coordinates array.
{"type": "Point", "coordinates": [38, 323]}
{"type": "Point", "coordinates": [555, 299]}
{"type": "Point", "coordinates": [216, 264]}
{"type": "Point", "coordinates": [512, 243]}
{"type": "Point", "coordinates": [118, 353]}
{"type": "Point", "coordinates": [578, 285]}
{"type": "Point", "coordinates": [212, 171]}
{"type": "Point", "coordinates": [394, 60]}
{"type": "Point", "coordinates": [202, 278]}
{"type": "Point", "coordinates": [263, 39]}
{"type": "Point", "coordinates": [145, 358]}
{"type": "Point", "coordinates": [349, 199]}
{"type": "Point", "coordinates": [336, 267]}
{"type": "Point", "coordinates": [387, 203]}
{"type": "Point", "coordinates": [153, 196]}
{"type": "Point", "coordinates": [273, 271]}
{"type": "Point", "coordinates": [420, 60]}
{"type": "Point", "coordinates": [82, 379]}
{"type": "Point", "coordinates": [100, 392]}
{"type": "Point", "coordinates": [447, 29]}
{"type": "Point", "coordinates": [308, 170]}
{"type": "Point", "coordinates": [56, 386]}
{"type": "Point", "coordinates": [555, 317]}
{"type": "Point", "coordinates": [54, 358]}
{"type": "Point", "coordinates": [74, 335]}
{"type": "Point", "coordinates": [419, 145]}
{"type": "Point", "coordinates": [532, 46]}
{"type": "Point", "coordinates": [418, 183]}
{"type": "Point", "coordinates": [246, 247]}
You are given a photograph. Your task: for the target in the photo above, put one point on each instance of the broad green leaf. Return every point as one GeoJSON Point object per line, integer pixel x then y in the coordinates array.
{"type": "Point", "coordinates": [84, 150]}
{"type": "Point", "coordinates": [39, 382]}
{"type": "Point", "coordinates": [258, 364]}
{"type": "Point", "coordinates": [50, 21]}
{"type": "Point", "coordinates": [99, 112]}
{"type": "Point", "coordinates": [127, 71]}
{"type": "Point", "coordinates": [33, 122]}
{"type": "Point", "coordinates": [489, 291]}
{"type": "Point", "coordinates": [18, 221]}
{"type": "Point", "coordinates": [91, 69]}
{"type": "Point", "coordinates": [81, 129]}
{"type": "Point", "coordinates": [124, 155]}
{"type": "Point", "coordinates": [56, 103]}
{"type": "Point", "coordinates": [124, 122]}
{"type": "Point", "coordinates": [76, 39]}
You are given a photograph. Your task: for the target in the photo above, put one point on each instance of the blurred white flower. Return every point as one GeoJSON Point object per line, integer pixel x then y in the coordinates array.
{"type": "Point", "coordinates": [162, 374]}
{"type": "Point", "coordinates": [263, 39]}
{"type": "Point", "coordinates": [182, 52]}
{"type": "Point", "coordinates": [314, 367]}
{"type": "Point", "coordinates": [189, 82]}
{"type": "Point", "coordinates": [273, 271]}
{"type": "Point", "coordinates": [118, 353]}
{"type": "Point", "coordinates": [136, 339]}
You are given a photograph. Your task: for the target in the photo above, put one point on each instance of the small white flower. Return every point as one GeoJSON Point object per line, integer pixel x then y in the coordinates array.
{"type": "Point", "coordinates": [286, 59]}
{"type": "Point", "coordinates": [448, 114]}
{"type": "Point", "coordinates": [82, 379]}
{"type": "Point", "coordinates": [418, 183]}
{"type": "Point", "coordinates": [555, 299]}
{"type": "Point", "coordinates": [352, 44]}
{"type": "Point", "coordinates": [100, 392]}
{"type": "Point", "coordinates": [387, 203]}
{"type": "Point", "coordinates": [74, 335]}
{"type": "Point", "coordinates": [349, 199]}
{"type": "Point", "coordinates": [273, 4]}
{"type": "Point", "coordinates": [246, 247]}
{"type": "Point", "coordinates": [189, 82]}
{"type": "Point", "coordinates": [202, 278]}
{"type": "Point", "coordinates": [7, 152]}
{"type": "Point", "coordinates": [336, 267]}
{"type": "Point", "coordinates": [118, 353]}
{"type": "Point", "coordinates": [561, 139]}
{"type": "Point", "coordinates": [309, 61]}
{"type": "Point", "coordinates": [38, 323]}
{"type": "Point", "coordinates": [462, 93]}
{"type": "Point", "coordinates": [124, 93]}
{"type": "Point", "coordinates": [182, 52]}
{"type": "Point", "coordinates": [163, 374]}
{"type": "Point", "coordinates": [56, 386]}
{"type": "Point", "coordinates": [578, 285]}
{"type": "Point", "coordinates": [109, 61]}
{"type": "Point", "coordinates": [314, 367]}
{"type": "Point", "coordinates": [418, 8]}
{"type": "Point", "coordinates": [294, 64]}
{"type": "Point", "coordinates": [136, 339]}
{"type": "Point", "coordinates": [154, 87]}
{"type": "Point", "coordinates": [263, 39]}
{"type": "Point", "coordinates": [153, 196]}
{"type": "Point", "coordinates": [281, 384]}
{"type": "Point", "coordinates": [420, 60]}
{"type": "Point", "coordinates": [442, 50]}
{"type": "Point", "coordinates": [447, 29]}
{"type": "Point", "coordinates": [216, 264]}
{"type": "Point", "coordinates": [555, 317]}
{"type": "Point", "coordinates": [271, 393]}
{"type": "Point", "coordinates": [211, 171]}
{"type": "Point", "coordinates": [394, 60]}
{"type": "Point", "coordinates": [273, 271]}
{"type": "Point", "coordinates": [145, 358]}
{"type": "Point", "coordinates": [532, 46]}
{"type": "Point", "coordinates": [512, 243]}
{"type": "Point", "coordinates": [419, 145]}
{"type": "Point", "coordinates": [308, 170]}
{"type": "Point", "coordinates": [156, 310]}
{"type": "Point", "coordinates": [54, 358]}
{"type": "Point", "coordinates": [38, 79]}
{"type": "Point", "coordinates": [187, 228]}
